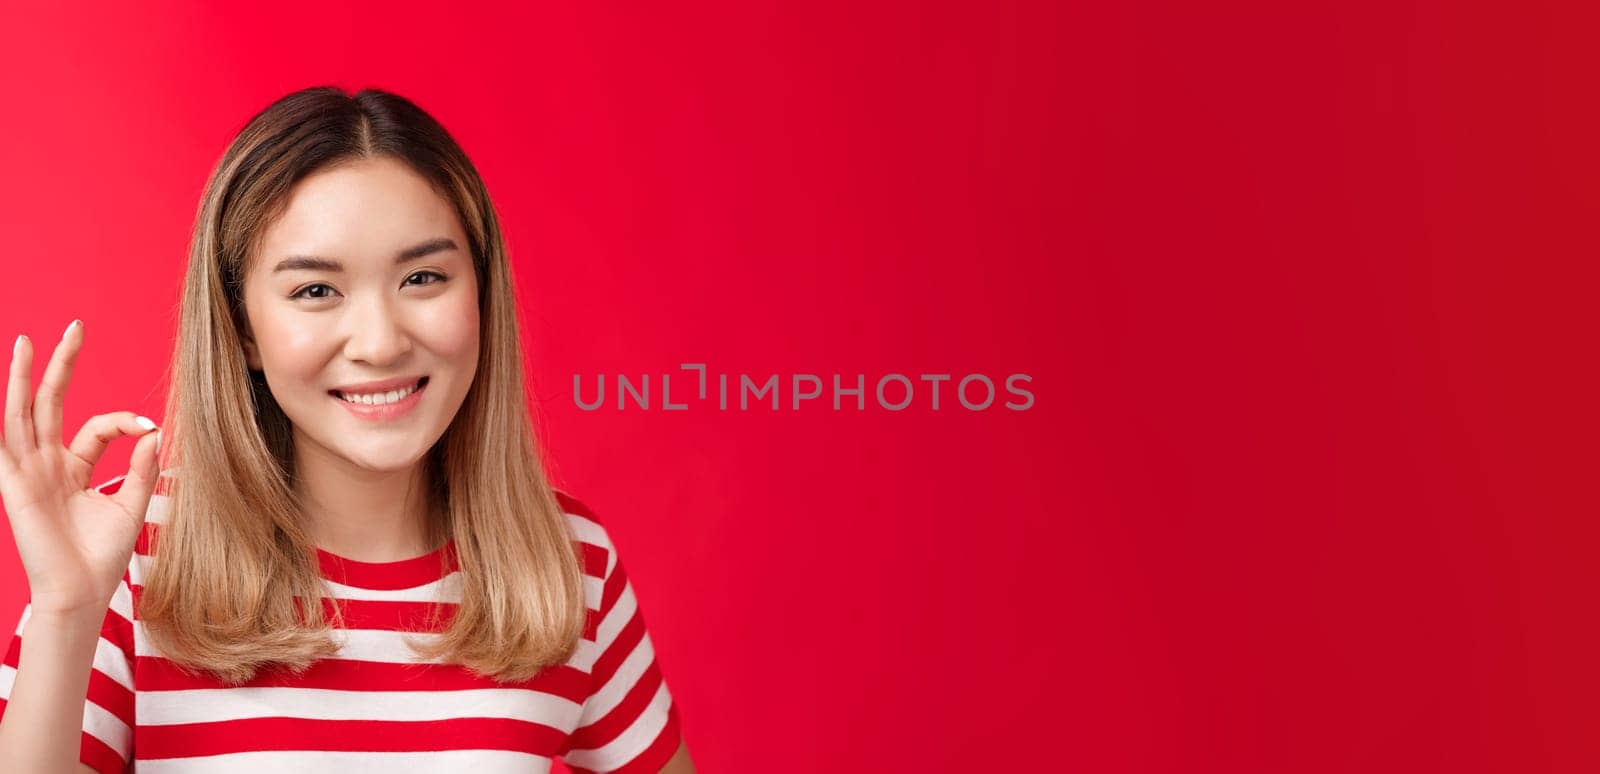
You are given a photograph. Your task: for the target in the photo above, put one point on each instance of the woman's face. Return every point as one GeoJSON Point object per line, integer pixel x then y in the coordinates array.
{"type": "Point", "coordinates": [365, 278]}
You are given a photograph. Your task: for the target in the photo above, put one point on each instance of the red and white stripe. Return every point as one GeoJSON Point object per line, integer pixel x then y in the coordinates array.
{"type": "Point", "coordinates": [376, 706]}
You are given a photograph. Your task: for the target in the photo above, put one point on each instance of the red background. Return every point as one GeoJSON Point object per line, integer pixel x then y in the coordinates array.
{"type": "Point", "coordinates": [1305, 294]}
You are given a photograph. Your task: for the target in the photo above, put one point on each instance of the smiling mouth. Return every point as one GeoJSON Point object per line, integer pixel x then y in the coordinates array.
{"type": "Point", "coordinates": [381, 398]}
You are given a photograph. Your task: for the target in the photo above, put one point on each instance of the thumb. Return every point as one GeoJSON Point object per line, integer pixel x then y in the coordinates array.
{"type": "Point", "coordinates": [143, 471]}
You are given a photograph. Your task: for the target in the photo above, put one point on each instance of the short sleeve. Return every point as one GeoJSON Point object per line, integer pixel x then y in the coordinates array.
{"type": "Point", "coordinates": [629, 722]}
{"type": "Point", "coordinates": [108, 721]}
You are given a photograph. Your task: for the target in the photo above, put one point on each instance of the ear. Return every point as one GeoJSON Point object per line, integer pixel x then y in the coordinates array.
{"type": "Point", "coordinates": [252, 355]}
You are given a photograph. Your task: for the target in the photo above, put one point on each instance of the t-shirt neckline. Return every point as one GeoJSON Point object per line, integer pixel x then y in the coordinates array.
{"type": "Point", "coordinates": [401, 574]}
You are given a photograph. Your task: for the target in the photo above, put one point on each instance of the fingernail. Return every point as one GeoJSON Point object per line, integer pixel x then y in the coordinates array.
{"type": "Point", "coordinates": [17, 347]}
{"type": "Point", "coordinates": [144, 423]}
{"type": "Point", "coordinates": [69, 328]}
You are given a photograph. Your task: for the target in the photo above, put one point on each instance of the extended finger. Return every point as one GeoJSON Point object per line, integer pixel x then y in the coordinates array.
{"type": "Point", "coordinates": [53, 388]}
{"type": "Point", "coordinates": [19, 387]}
{"type": "Point", "coordinates": [98, 433]}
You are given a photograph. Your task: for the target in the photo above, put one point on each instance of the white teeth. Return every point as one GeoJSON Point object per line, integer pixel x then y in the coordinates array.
{"type": "Point", "coordinates": [378, 398]}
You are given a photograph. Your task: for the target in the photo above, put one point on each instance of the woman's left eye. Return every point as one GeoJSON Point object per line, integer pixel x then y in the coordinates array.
{"type": "Point", "coordinates": [427, 274]}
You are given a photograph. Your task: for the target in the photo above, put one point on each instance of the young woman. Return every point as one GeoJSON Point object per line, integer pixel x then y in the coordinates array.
{"type": "Point", "coordinates": [341, 552]}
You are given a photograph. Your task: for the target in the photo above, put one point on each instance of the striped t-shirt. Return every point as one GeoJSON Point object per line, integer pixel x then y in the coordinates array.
{"type": "Point", "coordinates": [375, 706]}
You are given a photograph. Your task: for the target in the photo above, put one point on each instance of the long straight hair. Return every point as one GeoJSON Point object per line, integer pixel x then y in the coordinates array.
{"type": "Point", "coordinates": [233, 562]}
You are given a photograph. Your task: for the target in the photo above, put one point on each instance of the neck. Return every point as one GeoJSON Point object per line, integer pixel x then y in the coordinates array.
{"type": "Point", "coordinates": [365, 515]}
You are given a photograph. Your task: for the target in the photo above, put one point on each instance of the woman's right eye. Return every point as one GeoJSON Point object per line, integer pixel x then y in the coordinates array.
{"type": "Point", "coordinates": [301, 293]}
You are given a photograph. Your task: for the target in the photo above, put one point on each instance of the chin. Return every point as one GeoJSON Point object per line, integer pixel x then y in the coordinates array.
{"type": "Point", "coordinates": [381, 462]}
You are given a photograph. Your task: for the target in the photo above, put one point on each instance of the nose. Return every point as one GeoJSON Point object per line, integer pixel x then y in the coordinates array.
{"type": "Point", "coordinates": [375, 334]}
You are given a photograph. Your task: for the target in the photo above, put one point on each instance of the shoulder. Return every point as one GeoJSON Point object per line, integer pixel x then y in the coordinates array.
{"type": "Point", "coordinates": [594, 543]}
{"type": "Point", "coordinates": [582, 519]}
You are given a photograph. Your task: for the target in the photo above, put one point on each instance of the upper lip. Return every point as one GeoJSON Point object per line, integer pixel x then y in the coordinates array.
{"type": "Point", "coordinates": [386, 385]}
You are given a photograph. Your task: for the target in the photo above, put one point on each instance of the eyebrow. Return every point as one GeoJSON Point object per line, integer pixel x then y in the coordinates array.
{"type": "Point", "coordinates": [316, 263]}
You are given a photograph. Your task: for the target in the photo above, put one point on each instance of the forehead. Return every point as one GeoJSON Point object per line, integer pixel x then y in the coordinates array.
{"type": "Point", "coordinates": [358, 212]}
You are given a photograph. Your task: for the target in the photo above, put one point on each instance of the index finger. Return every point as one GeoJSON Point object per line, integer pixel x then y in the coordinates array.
{"type": "Point", "coordinates": [98, 433]}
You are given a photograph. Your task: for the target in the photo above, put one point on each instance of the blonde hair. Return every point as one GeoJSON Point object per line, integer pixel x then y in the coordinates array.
{"type": "Point", "coordinates": [233, 554]}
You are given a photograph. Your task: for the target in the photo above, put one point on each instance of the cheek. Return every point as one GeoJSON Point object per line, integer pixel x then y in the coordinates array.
{"type": "Point", "coordinates": [452, 330]}
{"type": "Point", "coordinates": [290, 346]}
